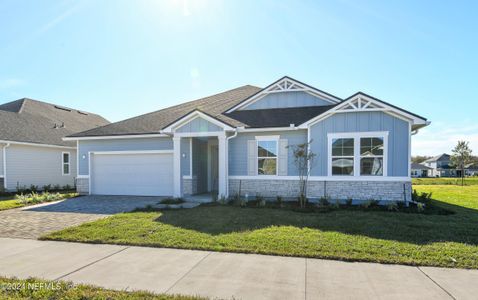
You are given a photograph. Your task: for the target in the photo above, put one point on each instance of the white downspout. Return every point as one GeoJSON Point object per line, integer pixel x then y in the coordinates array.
{"type": "Point", "coordinates": [227, 161]}
{"type": "Point", "coordinates": [5, 166]}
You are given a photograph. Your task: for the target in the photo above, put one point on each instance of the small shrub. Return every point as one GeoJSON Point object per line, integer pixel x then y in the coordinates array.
{"type": "Point", "coordinates": [336, 204]}
{"type": "Point", "coordinates": [67, 187]}
{"type": "Point", "coordinates": [172, 201]}
{"type": "Point", "coordinates": [34, 188]}
{"type": "Point", "coordinates": [235, 199]}
{"type": "Point", "coordinates": [46, 188]}
{"type": "Point", "coordinates": [370, 203]}
{"type": "Point", "coordinates": [392, 206]}
{"type": "Point", "coordinates": [324, 201]}
{"type": "Point", "coordinates": [22, 198]}
{"type": "Point", "coordinates": [349, 202]}
{"type": "Point", "coordinates": [222, 200]}
{"type": "Point", "coordinates": [243, 203]}
{"type": "Point", "coordinates": [420, 207]}
{"type": "Point", "coordinates": [280, 201]}
{"type": "Point", "coordinates": [56, 187]}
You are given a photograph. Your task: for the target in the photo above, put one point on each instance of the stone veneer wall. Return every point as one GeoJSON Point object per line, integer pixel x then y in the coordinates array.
{"type": "Point", "coordinates": [190, 186]}
{"type": "Point", "coordinates": [83, 186]}
{"type": "Point", "coordinates": [341, 190]}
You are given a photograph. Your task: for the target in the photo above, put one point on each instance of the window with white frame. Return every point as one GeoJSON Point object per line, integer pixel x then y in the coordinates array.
{"type": "Point", "coordinates": [267, 151]}
{"type": "Point", "coordinates": [65, 159]}
{"type": "Point", "coordinates": [358, 154]}
{"type": "Point", "coordinates": [343, 156]}
{"type": "Point", "coordinates": [371, 156]}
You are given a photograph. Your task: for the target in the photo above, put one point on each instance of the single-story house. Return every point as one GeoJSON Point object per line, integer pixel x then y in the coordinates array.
{"type": "Point", "coordinates": [238, 141]}
{"type": "Point", "coordinates": [419, 170]}
{"type": "Point", "coordinates": [32, 151]}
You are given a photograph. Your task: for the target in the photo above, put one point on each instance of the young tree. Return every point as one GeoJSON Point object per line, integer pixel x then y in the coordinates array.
{"type": "Point", "coordinates": [461, 157]}
{"type": "Point", "coordinates": [303, 160]}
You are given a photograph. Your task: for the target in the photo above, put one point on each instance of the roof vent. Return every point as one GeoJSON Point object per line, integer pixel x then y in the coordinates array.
{"type": "Point", "coordinates": [62, 108]}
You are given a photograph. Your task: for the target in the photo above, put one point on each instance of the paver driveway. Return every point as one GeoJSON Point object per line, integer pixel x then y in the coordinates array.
{"type": "Point", "coordinates": [34, 221]}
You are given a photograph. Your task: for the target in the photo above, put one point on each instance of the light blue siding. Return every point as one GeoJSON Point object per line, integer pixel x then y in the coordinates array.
{"type": "Point", "coordinates": [199, 125]}
{"type": "Point", "coordinates": [238, 150]}
{"type": "Point", "coordinates": [185, 156]}
{"type": "Point", "coordinates": [138, 144]}
{"type": "Point", "coordinates": [287, 99]}
{"type": "Point", "coordinates": [398, 138]}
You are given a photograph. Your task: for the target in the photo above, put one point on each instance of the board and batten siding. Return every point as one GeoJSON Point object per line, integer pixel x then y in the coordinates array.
{"type": "Point", "coordinates": [286, 99]}
{"type": "Point", "coordinates": [238, 150]}
{"type": "Point", "coordinates": [398, 138]}
{"type": "Point", "coordinates": [135, 144]}
{"type": "Point", "coordinates": [27, 165]}
{"type": "Point", "coordinates": [1, 160]}
{"type": "Point", "coordinates": [198, 125]}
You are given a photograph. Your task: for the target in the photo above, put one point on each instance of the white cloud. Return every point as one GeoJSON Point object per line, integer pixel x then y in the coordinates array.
{"type": "Point", "coordinates": [442, 137]}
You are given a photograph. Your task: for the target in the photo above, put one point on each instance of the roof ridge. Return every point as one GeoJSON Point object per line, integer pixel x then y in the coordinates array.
{"type": "Point", "coordinates": [25, 99]}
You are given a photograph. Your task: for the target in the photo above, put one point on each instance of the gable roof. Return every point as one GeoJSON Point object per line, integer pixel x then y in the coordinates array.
{"type": "Point", "coordinates": [32, 121]}
{"type": "Point", "coordinates": [441, 157]}
{"type": "Point", "coordinates": [417, 166]}
{"type": "Point", "coordinates": [285, 83]}
{"type": "Point", "coordinates": [221, 108]}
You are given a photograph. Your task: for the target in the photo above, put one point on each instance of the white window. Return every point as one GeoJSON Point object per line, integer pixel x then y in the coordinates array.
{"type": "Point", "coordinates": [343, 156]}
{"type": "Point", "coordinates": [267, 151]}
{"type": "Point", "coordinates": [358, 154]}
{"type": "Point", "coordinates": [371, 156]}
{"type": "Point", "coordinates": [65, 160]}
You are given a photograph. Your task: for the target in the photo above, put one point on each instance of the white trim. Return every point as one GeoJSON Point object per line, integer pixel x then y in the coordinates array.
{"type": "Point", "coordinates": [267, 137]}
{"type": "Point", "coordinates": [285, 84]}
{"type": "Point", "coordinates": [323, 178]}
{"type": "Point", "coordinates": [1, 176]}
{"type": "Point", "coordinates": [77, 158]}
{"type": "Point", "coordinates": [266, 129]}
{"type": "Point", "coordinates": [383, 107]}
{"type": "Point", "coordinates": [5, 165]}
{"type": "Point", "coordinates": [177, 182]}
{"type": "Point", "coordinates": [114, 137]}
{"type": "Point", "coordinates": [187, 177]}
{"type": "Point", "coordinates": [133, 152]}
{"type": "Point", "coordinates": [89, 172]}
{"type": "Point", "coordinates": [83, 176]}
{"type": "Point", "coordinates": [356, 137]}
{"type": "Point", "coordinates": [63, 164]}
{"type": "Point", "coordinates": [190, 117]}
{"type": "Point", "coordinates": [191, 157]}
{"type": "Point", "coordinates": [410, 149]}
{"type": "Point", "coordinates": [35, 144]}
{"type": "Point", "coordinates": [200, 134]}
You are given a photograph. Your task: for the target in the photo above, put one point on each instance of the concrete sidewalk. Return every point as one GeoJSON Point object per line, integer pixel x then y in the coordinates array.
{"type": "Point", "coordinates": [227, 275]}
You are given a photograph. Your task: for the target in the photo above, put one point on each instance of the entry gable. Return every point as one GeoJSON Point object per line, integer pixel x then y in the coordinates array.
{"type": "Point", "coordinates": [197, 121]}
{"type": "Point", "coordinates": [285, 93]}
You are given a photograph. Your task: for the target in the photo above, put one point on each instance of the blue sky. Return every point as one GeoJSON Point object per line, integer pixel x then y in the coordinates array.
{"type": "Point", "coordinates": [124, 58]}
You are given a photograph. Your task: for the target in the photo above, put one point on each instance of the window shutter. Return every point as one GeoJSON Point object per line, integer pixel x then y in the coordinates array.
{"type": "Point", "coordinates": [251, 157]}
{"type": "Point", "coordinates": [283, 156]}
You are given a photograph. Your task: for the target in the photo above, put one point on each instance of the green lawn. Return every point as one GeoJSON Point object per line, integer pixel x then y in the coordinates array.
{"type": "Point", "coordinates": [11, 288]}
{"type": "Point", "coordinates": [355, 235]}
{"type": "Point", "coordinates": [445, 181]}
{"type": "Point", "coordinates": [10, 201]}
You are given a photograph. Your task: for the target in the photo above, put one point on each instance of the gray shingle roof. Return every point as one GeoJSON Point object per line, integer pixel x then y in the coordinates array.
{"type": "Point", "coordinates": [417, 166]}
{"type": "Point", "coordinates": [440, 157]}
{"type": "Point", "coordinates": [153, 122]}
{"type": "Point", "coordinates": [34, 121]}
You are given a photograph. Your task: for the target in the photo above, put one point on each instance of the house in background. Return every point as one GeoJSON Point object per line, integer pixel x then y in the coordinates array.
{"type": "Point", "coordinates": [32, 150]}
{"type": "Point", "coordinates": [238, 142]}
{"type": "Point", "coordinates": [440, 166]}
{"type": "Point", "coordinates": [419, 170]}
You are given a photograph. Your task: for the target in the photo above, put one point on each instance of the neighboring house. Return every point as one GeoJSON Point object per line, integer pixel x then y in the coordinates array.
{"type": "Point", "coordinates": [32, 150]}
{"type": "Point", "coordinates": [440, 166]}
{"type": "Point", "coordinates": [237, 141]}
{"type": "Point", "coordinates": [471, 169]}
{"type": "Point", "coordinates": [419, 170]}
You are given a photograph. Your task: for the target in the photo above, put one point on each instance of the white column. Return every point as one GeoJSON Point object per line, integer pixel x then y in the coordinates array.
{"type": "Point", "coordinates": [222, 166]}
{"type": "Point", "coordinates": [177, 180]}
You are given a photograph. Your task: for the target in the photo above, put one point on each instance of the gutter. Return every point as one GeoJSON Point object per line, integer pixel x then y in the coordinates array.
{"type": "Point", "coordinates": [227, 162]}
{"type": "Point", "coordinates": [5, 166]}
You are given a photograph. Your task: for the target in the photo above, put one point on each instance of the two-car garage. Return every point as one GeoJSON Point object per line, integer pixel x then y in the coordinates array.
{"type": "Point", "coordinates": [131, 173]}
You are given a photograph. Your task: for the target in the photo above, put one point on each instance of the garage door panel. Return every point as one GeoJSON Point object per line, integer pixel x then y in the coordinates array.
{"type": "Point", "coordinates": [132, 174]}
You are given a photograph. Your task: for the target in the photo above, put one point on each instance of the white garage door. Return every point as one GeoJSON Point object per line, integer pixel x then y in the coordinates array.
{"type": "Point", "coordinates": [149, 174]}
